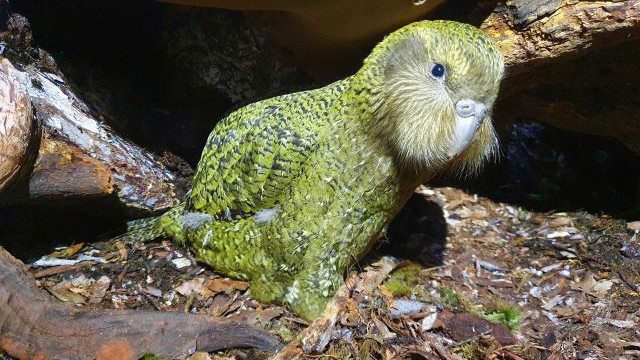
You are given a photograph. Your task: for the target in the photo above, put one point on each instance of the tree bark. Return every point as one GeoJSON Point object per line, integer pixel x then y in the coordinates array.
{"type": "Point", "coordinates": [534, 32]}
{"type": "Point", "coordinates": [18, 128]}
{"type": "Point", "coordinates": [571, 64]}
{"type": "Point", "coordinates": [32, 326]}
{"type": "Point", "coordinates": [77, 155]}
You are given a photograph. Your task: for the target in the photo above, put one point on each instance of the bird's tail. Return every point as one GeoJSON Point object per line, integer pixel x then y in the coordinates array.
{"type": "Point", "coordinates": [165, 225]}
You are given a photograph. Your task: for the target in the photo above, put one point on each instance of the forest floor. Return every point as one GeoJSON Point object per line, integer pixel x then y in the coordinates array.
{"type": "Point", "coordinates": [566, 284]}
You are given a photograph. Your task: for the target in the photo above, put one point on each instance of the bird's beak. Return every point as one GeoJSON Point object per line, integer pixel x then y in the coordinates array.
{"type": "Point", "coordinates": [469, 116]}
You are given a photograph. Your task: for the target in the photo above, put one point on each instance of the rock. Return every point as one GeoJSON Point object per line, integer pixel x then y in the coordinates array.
{"type": "Point", "coordinates": [402, 307]}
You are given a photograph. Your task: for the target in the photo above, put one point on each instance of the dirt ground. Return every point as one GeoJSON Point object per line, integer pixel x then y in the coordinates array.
{"type": "Point", "coordinates": [567, 285]}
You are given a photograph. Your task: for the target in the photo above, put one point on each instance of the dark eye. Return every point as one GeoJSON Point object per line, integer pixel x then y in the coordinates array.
{"type": "Point", "coordinates": [438, 71]}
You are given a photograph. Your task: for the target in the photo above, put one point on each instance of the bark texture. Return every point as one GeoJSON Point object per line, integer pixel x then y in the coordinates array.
{"type": "Point", "coordinates": [17, 125]}
{"type": "Point", "coordinates": [78, 156]}
{"type": "Point", "coordinates": [32, 326]}
{"type": "Point", "coordinates": [571, 64]}
{"type": "Point", "coordinates": [534, 32]}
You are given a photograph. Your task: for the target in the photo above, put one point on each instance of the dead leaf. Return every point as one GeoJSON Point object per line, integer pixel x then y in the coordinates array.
{"type": "Point", "coordinates": [351, 316]}
{"type": "Point", "coordinates": [586, 284]}
{"type": "Point", "coordinates": [217, 357]}
{"type": "Point", "coordinates": [65, 295]}
{"type": "Point", "coordinates": [602, 287]}
{"type": "Point", "coordinates": [271, 313]}
{"type": "Point", "coordinates": [122, 251]}
{"type": "Point", "coordinates": [383, 329]}
{"type": "Point", "coordinates": [201, 355]}
{"type": "Point", "coordinates": [181, 262]}
{"type": "Point", "coordinates": [465, 326]}
{"type": "Point", "coordinates": [226, 285]}
{"type": "Point", "coordinates": [257, 317]}
{"type": "Point", "coordinates": [221, 304]}
{"type": "Point", "coordinates": [67, 252]}
{"type": "Point", "coordinates": [589, 285]}
{"type": "Point", "coordinates": [155, 292]}
{"type": "Point", "coordinates": [99, 289]}
{"type": "Point", "coordinates": [196, 286]}
{"type": "Point", "coordinates": [560, 222]}
{"type": "Point", "coordinates": [617, 323]}
{"type": "Point", "coordinates": [634, 226]}
{"type": "Point", "coordinates": [429, 322]}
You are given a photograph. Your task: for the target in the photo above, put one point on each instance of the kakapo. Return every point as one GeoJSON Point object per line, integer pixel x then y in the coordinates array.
{"type": "Point", "coordinates": [292, 190]}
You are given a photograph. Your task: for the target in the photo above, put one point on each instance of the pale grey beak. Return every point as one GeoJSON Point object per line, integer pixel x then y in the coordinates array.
{"type": "Point", "coordinates": [469, 116]}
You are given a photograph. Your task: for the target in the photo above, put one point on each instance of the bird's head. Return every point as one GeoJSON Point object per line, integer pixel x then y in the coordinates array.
{"type": "Point", "coordinates": [436, 85]}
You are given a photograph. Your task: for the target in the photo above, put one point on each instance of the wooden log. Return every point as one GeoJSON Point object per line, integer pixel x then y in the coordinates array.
{"type": "Point", "coordinates": [79, 156]}
{"type": "Point", "coordinates": [534, 32]}
{"type": "Point", "coordinates": [330, 38]}
{"type": "Point", "coordinates": [571, 64]}
{"type": "Point", "coordinates": [63, 170]}
{"type": "Point", "coordinates": [33, 326]}
{"type": "Point", "coordinates": [18, 128]}
{"type": "Point", "coordinates": [326, 38]}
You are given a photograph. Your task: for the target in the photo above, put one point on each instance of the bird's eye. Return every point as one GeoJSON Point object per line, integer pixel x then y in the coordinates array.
{"type": "Point", "coordinates": [438, 71]}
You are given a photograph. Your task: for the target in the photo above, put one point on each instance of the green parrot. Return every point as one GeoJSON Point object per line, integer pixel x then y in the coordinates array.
{"type": "Point", "coordinates": [292, 190]}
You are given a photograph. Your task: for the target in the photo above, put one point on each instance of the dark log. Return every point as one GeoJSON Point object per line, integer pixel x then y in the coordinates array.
{"type": "Point", "coordinates": [81, 157]}
{"type": "Point", "coordinates": [140, 181]}
{"type": "Point", "coordinates": [325, 37]}
{"type": "Point", "coordinates": [33, 326]}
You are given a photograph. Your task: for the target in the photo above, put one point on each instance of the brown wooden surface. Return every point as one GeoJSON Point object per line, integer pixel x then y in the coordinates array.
{"type": "Point", "coordinates": [78, 155]}
{"type": "Point", "coordinates": [531, 33]}
{"type": "Point", "coordinates": [33, 326]}
{"type": "Point", "coordinates": [571, 64]}
{"type": "Point", "coordinates": [17, 126]}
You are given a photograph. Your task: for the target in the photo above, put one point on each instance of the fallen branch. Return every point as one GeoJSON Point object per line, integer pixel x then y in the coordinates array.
{"type": "Point", "coordinates": [316, 337]}
{"type": "Point", "coordinates": [32, 326]}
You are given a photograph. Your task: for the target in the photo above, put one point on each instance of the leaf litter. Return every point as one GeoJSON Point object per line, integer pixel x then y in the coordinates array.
{"type": "Point", "coordinates": [507, 284]}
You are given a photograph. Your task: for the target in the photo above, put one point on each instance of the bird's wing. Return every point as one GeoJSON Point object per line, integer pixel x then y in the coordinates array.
{"type": "Point", "coordinates": [252, 156]}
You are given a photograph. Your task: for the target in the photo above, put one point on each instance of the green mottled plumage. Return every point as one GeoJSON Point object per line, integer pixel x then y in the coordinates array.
{"type": "Point", "coordinates": [292, 190]}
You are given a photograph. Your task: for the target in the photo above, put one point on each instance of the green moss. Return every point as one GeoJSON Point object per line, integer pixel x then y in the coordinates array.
{"type": "Point", "coordinates": [342, 350]}
{"type": "Point", "coordinates": [404, 280]}
{"type": "Point", "coordinates": [503, 313]}
{"type": "Point", "coordinates": [457, 302]}
{"type": "Point", "coordinates": [470, 351]}
{"type": "Point", "coordinates": [150, 357]}
{"type": "Point", "coordinates": [450, 299]}
{"type": "Point", "coordinates": [284, 332]}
